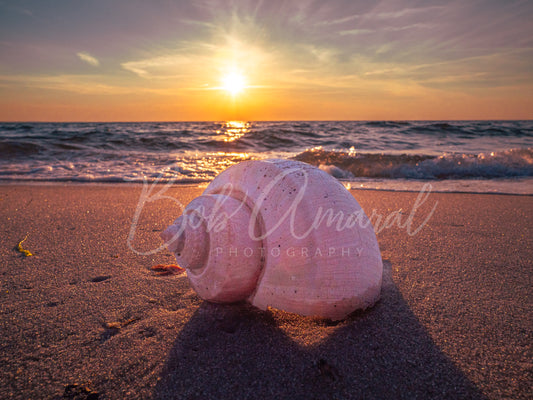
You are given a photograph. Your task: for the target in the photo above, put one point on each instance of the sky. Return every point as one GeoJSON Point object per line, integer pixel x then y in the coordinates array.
{"type": "Point", "coordinates": [205, 60]}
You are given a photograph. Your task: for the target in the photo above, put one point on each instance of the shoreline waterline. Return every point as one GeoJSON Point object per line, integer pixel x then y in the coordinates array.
{"type": "Point", "coordinates": [517, 187]}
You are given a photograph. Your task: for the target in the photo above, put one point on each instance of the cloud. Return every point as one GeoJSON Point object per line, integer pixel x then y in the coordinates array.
{"type": "Point", "coordinates": [356, 32]}
{"type": "Point", "coordinates": [200, 63]}
{"type": "Point", "coordinates": [499, 69]}
{"type": "Point", "coordinates": [406, 12]}
{"type": "Point", "coordinates": [339, 20]}
{"type": "Point", "coordinates": [88, 58]}
{"type": "Point", "coordinates": [162, 66]}
{"type": "Point", "coordinates": [81, 84]}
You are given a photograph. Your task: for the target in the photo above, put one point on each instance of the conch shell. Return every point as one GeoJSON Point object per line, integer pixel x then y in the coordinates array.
{"type": "Point", "coordinates": [282, 234]}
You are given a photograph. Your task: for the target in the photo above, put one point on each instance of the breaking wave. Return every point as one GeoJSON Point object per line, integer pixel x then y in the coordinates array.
{"type": "Point", "coordinates": [500, 164]}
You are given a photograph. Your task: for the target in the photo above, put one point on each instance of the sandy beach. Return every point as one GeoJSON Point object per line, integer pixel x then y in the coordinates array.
{"type": "Point", "coordinates": [86, 317]}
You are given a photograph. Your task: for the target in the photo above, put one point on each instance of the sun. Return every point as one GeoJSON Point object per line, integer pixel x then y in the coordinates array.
{"type": "Point", "coordinates": [234, 83]}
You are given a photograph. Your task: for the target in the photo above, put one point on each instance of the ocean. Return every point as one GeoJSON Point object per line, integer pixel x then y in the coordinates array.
{"type": "Point", "coordinates": [454, 156]}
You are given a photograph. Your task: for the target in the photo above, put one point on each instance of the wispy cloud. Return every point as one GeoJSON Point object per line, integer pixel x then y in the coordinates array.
{"type": "Point", "coordinates": [200, 64]}
{"type": "Point", "coordinates": [339, 21]}
{"type": "Point", "coordinates": [161, 66]}
{"type": "Point", "coordinates": [405, 12]}
{"type": "Point", "coordinates": [81, 84]}
{"type": "Point", "coordinates": [356, 32]}
{"type": "Point", "coordinates": [88, 58]}
{"type": "Point", "coordinates": [388, 29]}
{"type": "Point", "coordinates": [388, 15]}
{"type": "Point", "coordinates": [467, 72]}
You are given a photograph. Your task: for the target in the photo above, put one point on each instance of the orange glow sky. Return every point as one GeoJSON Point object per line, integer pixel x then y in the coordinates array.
{"type": "Point", "coordinates": [130, 60]}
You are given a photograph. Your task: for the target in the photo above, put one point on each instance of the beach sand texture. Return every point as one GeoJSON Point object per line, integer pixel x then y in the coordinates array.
{"type": "Point", "coordinates": [86, 316]}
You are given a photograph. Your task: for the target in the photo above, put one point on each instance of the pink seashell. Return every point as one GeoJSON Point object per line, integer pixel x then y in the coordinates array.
{"type": "Point", "coordinates": [282, 234]}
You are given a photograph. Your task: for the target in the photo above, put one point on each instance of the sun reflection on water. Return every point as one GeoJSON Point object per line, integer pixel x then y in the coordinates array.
{"type": "Point", "coordinates": [233, 130]}
{"type": "Point", "coordinates": [207, 165]}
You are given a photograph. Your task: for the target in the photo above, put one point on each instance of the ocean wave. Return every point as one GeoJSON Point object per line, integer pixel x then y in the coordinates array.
{"type": "Point", "coordinates": [470, 129]}
{"type": "Point", "coordinates": [17, 149]}
{"type": "Point", "coordinates": [370, 136]}
{"type": "Point", "coordinates": [198, 151]}
{"type": "Point", "coordinates": [503, 164]}
{"type": "Point", "coordinates": [387, 124]}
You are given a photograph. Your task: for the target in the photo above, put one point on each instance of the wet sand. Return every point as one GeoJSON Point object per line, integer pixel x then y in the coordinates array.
{"type": "Point", "coordinates": [86, 317]}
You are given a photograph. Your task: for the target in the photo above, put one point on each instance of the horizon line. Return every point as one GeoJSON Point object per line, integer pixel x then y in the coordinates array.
{"type": "Point", "coordinates": [259, 120]}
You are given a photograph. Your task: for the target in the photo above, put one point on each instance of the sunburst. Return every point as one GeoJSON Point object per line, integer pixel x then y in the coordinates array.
{"type": "Point", "coordinates": [234, 83]}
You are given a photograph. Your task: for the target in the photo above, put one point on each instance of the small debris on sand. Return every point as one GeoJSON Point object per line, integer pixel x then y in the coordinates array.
{"type": "Point", "coordinates": [167, 269]}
